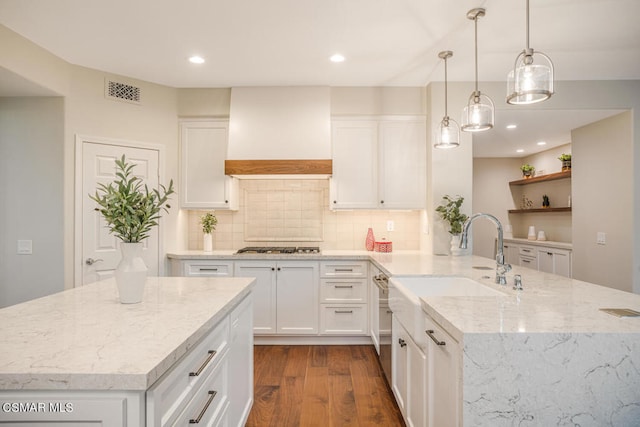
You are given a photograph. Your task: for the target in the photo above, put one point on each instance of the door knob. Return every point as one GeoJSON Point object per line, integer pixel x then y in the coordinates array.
{"type": "Point", "coordinates": [91, 261]}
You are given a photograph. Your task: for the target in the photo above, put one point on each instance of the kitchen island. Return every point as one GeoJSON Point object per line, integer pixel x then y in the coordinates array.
{"type": "Point", "coordinates": [546, 355]}
{"type": "Point", "coordinates": [80, 355]}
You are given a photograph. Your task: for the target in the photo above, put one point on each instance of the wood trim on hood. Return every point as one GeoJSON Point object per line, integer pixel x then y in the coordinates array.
{"type": "Point", "coordinates": [278, 167]}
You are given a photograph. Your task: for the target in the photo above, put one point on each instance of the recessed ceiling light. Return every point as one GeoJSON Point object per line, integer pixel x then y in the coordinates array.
{"type": "Point", "coordinates": [336, 57]}
{"type": "Point", "coordinates": [541, 143]}
{"type": "Point", "coordinates": [519, 150]}
{"type": "Point", "coordinates": [195, 59]}
{"type": "Point", "coordinates": [512, 126]}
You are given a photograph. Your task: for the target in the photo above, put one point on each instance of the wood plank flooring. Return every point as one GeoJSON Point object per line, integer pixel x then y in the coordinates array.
{"type": "Point", "coordinates": [327, 386]}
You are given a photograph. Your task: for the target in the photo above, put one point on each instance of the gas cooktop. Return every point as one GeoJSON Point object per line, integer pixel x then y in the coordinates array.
{"type": "Point", "coordinates": [279, 250]}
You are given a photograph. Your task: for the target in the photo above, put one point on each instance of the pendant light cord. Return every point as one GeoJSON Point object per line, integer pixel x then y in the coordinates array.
{"type": "Point", "coordinates": [475, 20]}
{"type": "Point", "coordinates": [527, 26]}
{"type": "Point", "coordinates": [445, 88]}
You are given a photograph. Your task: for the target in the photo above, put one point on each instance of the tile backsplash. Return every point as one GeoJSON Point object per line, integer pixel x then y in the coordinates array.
{"type": "Point", "coordinates": [291, 212]}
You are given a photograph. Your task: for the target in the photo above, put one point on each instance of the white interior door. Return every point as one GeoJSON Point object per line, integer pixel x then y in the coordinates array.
{"type": "Point", "coordinates": [100, 249]}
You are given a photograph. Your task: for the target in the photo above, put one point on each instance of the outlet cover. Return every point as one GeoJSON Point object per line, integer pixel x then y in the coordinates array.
{"type": "Point", "coordinates": [25, 247]}
{"type": "Point", "coordinates": [601, 238]}
{"type": "Point", "coordinates": [390, 225]}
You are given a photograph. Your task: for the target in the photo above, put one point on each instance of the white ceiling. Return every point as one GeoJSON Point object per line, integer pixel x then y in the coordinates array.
{"type": "Point", "coordinates": [288, 42]}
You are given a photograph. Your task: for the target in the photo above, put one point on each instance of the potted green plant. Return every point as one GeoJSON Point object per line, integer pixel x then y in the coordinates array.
{"type": "Point", "coordinates": [566, 162]}
{"type": "Point", "coordinates": [130, 210]}
{"type": "Point", "coordinates": [208, 222]}
{"type": "Point", "coordinates": [449, 211]}
{"type": "Point", "coordinates": [527, 170]}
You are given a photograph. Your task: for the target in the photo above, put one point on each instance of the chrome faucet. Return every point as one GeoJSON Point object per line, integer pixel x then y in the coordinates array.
{"type": "Point", "coordinates": [501, 266]}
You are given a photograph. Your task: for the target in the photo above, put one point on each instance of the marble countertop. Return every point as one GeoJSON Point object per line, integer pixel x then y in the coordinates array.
{"type": "Point", "coordinates": [548, 304]}
{"type": "Point", "coordinates": [546, 243]}
{"type": "Point", "coordinates": [83, 338]}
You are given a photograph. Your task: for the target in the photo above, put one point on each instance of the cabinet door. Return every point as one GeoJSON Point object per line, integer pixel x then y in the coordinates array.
{"type": "Point", "coordinates": [545, 261]}
{"type": "Point", "coordinates": [241, 362]}
{"type": "Point", "coordinates": [416, 385]}
{"type": "Point", "coordinates": [511, 253]}
{"type": "Point", "coordinates": [264, 293]}
{"type": "Point", "coordinates": [355, 160]}
{"type": "Point", "coordinates": [399, 364]}
{"type": "Point", "coordinates": [203, 150]}
{"type": "Point", "coordinates": [297, 296]}
{"type": "Point", "coordinates": [444, 377]}
{"type": "Point", "coordinates": [402, 165]}
{"type": "Point", "coordinates": [562, 263]}
{"type": "Point", "coordinates": [374, 298]}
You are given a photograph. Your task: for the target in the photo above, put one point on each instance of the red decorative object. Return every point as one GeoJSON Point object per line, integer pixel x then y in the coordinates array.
{"type": "Point", "coordinates": [369, 242]}
{"type": "Point", "coordinates": [383, 246]}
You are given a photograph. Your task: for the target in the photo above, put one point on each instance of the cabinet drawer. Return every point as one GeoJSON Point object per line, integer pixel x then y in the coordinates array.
{"type": "Point", "coordinates": [343, 290]}
{"type": "Point", "coordinates": [527, 261]}
{"type": "Point", "coordinates": [169, 395]}
{"type": "Point", "coordinates": [209, 401]}
{"type": "Point", "coordinates": [342, 319]}
{"type": "Point", "coordinates": [344, 269]}
{"type": "Point", "coordinates": [207, 268]}
{"type": "Point", "coordinates": [529, 251]}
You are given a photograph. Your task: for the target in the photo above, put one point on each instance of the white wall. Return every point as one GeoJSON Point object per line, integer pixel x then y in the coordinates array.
{"type": "Point", "coordinates": [31, 188]}
{"type": "Point", "coordinates": [602, 173]}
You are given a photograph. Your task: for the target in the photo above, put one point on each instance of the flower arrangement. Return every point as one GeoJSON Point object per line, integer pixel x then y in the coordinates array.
{"type": "Point", "coordinates": [208, 222]}
{"type": "Point", "coordinates": [128, 206]}
{"type": "Point", "coordinates": [449, 211]}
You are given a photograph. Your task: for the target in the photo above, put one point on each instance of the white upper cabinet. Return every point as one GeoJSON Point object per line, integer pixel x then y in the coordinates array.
{"type": "Point", "coordinates": [355, 159]}
{"type": "Point", "coordinates": [402, 159]}
{"type": "Point", "coordinates": [379, 163]}
{"type": "Point", "coordinates": [203, 150]}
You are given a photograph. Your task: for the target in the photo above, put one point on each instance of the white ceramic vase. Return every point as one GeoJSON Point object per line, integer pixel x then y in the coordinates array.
{"type": "Point", "coordinates": [455, 245]}
{"type": "Point", "coordinates": [131, 273]}
{"type": "Point", "coordinates": [208, 242]}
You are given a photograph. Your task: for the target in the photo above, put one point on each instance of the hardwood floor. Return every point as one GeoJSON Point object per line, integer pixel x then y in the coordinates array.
{"type": "Point", "coordinates": [328, 386]}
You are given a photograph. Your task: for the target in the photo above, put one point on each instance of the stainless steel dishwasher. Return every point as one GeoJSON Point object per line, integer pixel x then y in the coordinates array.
{"type": "Point", "coordinates": [384, 323]}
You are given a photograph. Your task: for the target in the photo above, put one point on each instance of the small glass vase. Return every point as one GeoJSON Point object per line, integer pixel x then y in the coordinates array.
{"type": "Point", "coordinates": [455, 245]}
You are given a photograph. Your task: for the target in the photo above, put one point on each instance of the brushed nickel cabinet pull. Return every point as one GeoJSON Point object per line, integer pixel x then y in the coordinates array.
{"type": "Point", "coordinates": [208, 269]}
{"type": "Point", "coordinates": [204, 364]}
{"type": "Point", "coordinates": [212, 394]}
{"type": "Point", "coordinates": [433, 337]}
{"type": "Point", "coordinates": [343, 286]}
{"type": "Point", "coordinates": [344, 269]}
{"type": "Point", "coordinates": [343, 311]}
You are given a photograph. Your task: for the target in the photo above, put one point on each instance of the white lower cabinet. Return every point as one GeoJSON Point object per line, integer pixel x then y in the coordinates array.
{"type": "Point", "coordinates": [285, 296]}
{"type": "Point", "coordinates": [409, 376]}
{"type": "Point", "coordinates": [426, 375]}
{"type": "Point", "coordinates": [211, 378]}
{"type": "Point", "coordinates": [556, 261]}
{"type": "Point", "coordinates": [443, 376]}
{"type": "Point", "coordinates": [344, 297]}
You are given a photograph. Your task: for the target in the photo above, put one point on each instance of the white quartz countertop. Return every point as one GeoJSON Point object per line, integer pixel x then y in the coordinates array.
{"type": "Point", "coordinates": [548, 304]}
{"type": "Point", "coordinates": [84, 338]}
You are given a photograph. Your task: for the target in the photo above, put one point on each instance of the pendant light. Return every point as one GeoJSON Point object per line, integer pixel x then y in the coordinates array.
{"type": "Point", "coordinates": [478, 115]}
{"type": "Point", "coordinates": [448, 134]}
{"type": "Point", "coordinates": [530, 82]}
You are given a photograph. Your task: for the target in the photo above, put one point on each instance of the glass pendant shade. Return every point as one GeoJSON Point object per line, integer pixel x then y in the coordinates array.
{"type": "Point", "coordinates": [530, 82]}
{"type": "Point", "coordinates": [531, 79]}
{"type": "Point", "coordinates": [447, 134]}
{"type": "Point", "coordinates": [478, 114]}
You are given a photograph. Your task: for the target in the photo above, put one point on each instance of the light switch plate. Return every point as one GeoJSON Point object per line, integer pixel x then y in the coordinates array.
{"type": "Point", "coordinates": [390, 225]}
{"type": "Point", "coordinates": [601, 238]}
{"type": "Point", "coordinates": [25, 247]}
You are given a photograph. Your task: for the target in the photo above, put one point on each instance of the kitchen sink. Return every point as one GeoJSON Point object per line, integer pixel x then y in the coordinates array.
{"type": "Point", "coordinates": [405, 293]}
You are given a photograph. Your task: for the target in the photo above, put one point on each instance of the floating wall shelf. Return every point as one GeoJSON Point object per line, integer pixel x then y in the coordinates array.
{"type": "Point", "coordinates": [541, 210]}
{"type": "Point", "coordinates": [542, 178]}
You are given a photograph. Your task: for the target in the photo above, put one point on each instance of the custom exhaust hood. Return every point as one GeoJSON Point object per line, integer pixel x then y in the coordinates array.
{"type": "Point", "coordinates": [279, 131]}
